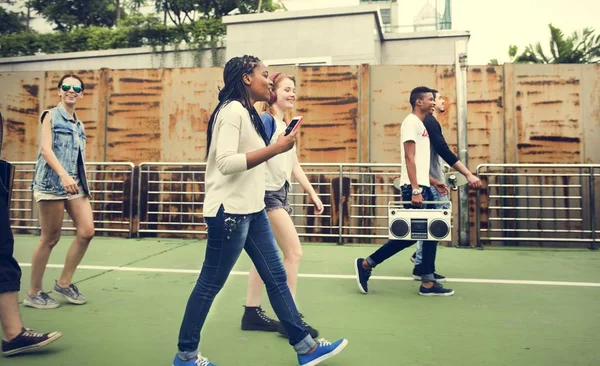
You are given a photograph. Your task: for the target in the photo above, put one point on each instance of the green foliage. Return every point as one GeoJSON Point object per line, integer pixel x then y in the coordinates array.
{"type": "Point", "coordinates": [578, 48]}
{"type": "Point", "coordinates": [182, 13]}
{"type": "Point", "coordinates": [70, 14]}
{"type": "Point", "coordinates": [136, 31]}
{"type": "Point", "coordinates": [85, 25]}
{"type": "Point", "coordinates": [10, 22]}
{"type": "Point", "coordinates": [179, 11]}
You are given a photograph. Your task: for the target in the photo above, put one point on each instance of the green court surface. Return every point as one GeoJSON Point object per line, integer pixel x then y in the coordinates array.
{"type": "Point", "coordinates": [137, 291]}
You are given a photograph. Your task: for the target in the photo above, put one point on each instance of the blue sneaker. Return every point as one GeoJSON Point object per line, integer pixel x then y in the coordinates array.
{"type": "Point", "coordinates": [200, 361]}
{"type": "Point", "coordinates": [325, 350]}
{"type": "Point", "coordinates": [362, 275]}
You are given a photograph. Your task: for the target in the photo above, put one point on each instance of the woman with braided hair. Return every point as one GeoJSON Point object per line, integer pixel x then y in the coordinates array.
{"type": "Point", "coordinates": [234, 210]}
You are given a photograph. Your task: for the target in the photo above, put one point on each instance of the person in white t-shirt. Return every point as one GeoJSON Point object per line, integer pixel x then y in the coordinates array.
{"type": "Point", "coordinates": [279, 171]}
{"type": "Point", "coordinates": [414, 179]}
{"type": "Point", "coordinates": [234, 210]}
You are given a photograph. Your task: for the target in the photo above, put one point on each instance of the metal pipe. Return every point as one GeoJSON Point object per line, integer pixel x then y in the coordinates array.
{"type": "Point", "coordinates": [478, 214]}
{"type": "Point", "coordinates": [139, 201]}
{"type": "Point", "coordinates": [592, 208]}
{"type": "Point", "coordinates": [131, 183]}
{"type": "Point", "coordinates": [341, 205]}
{"type": "Point", "coordinates": [460, 67]}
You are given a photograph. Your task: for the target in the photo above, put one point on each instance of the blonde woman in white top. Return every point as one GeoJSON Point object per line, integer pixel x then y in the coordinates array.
{"type": "Point", "coordinates": [279, 171]}
{"type": "Point", "coordinates": [234, 211]}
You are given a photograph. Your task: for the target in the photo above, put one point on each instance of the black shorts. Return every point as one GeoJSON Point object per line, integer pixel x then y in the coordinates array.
{"type": "Point", "coordinates": [10, 272]}
{"type": "Point", "coordinates": [278, 199]}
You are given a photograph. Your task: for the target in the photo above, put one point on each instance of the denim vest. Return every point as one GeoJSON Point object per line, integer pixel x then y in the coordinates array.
{"type": "Point", "coordinates": [68, 144]}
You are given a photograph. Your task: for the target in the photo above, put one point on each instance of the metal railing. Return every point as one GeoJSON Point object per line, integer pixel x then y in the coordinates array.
{"type": "Point", "coordinates": [111, 188]}
{"type": "Point", "coordinates": [549, 204]}
{"type": "Point", "coordinates": [546, 204]}
{"type": "Point", "coordinates": [355, 197]}
{"type": "Point", "coordinates": [171, 197]}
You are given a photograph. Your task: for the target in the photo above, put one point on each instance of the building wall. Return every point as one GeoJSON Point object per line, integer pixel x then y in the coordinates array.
{"type": "Point", "coordinates": [431, 48]}
{"type": "Point", "coordinates": [337, 36]}
{"type": "Point", "coordinates": [347, 39]}
{"type": "Point", "coordinates": [129, 58]}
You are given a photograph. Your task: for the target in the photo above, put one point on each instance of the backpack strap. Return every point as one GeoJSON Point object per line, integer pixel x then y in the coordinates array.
{"type": "Point", "coordinates": [269, 124]}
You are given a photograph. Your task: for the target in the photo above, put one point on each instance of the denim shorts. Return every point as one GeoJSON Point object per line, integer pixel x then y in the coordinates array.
{"type": "Point", "coordinates": [42, 196]}
{"type": "Point", "coordinates": [278, 199]}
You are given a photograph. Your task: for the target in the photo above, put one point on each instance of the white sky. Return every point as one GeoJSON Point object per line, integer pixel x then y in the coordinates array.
{"type": "Point", "coordinates": [493, 24]}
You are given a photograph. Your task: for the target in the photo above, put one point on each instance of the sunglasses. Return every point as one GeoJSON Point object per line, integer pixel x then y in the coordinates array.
{"type": "Point", "coordinates": [67, 87]}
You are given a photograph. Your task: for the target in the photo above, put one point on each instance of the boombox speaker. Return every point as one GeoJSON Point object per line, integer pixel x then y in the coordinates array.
{"type": "Point", "coordinates": [419, 224]}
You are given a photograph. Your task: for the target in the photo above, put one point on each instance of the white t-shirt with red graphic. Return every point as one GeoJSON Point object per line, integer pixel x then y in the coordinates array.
{"type": "Point", "coordinates": [413, 129]}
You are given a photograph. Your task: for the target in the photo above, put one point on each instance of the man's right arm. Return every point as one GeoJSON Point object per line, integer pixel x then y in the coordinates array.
{"type": "Point", "coordinates": [411, 169]}
{"type": "Point", "coordinates": [438, 142]}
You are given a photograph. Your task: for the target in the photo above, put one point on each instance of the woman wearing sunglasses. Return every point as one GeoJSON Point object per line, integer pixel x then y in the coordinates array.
{"type": "Point", "coordinates": [60, 183]}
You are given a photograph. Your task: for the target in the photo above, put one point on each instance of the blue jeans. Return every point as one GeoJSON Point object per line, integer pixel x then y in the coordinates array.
{"type": "Point", "coordinates": [436, 196]}
{"type": "Point", "coordinates": [228, 234]}
{"type": "Point", "coordinates": [392, 246]}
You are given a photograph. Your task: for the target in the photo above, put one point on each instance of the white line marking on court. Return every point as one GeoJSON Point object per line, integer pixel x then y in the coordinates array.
{"type": "Point", "coordinates": [335, 276]}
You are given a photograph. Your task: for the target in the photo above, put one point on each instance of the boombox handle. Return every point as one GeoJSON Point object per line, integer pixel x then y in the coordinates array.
{"type": "Point", "coordinates": [400, 204]}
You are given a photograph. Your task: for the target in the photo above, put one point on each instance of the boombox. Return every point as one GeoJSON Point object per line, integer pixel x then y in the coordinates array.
{"type": "Point", "coordinates": [419, 224]}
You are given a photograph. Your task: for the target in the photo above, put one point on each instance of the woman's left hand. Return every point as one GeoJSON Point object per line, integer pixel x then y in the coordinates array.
{"type": "Point", "coordinates": [316, 201]}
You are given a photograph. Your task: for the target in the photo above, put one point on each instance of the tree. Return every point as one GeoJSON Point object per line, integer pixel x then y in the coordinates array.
{"type": "Point", "coordinates": [196, 23]}
{"type": "Point", "coordinates": [69, 14]}
{"type": "Point", "coordinates": [132, 5]}
{"type": "Point", "coordinates": [188, 15]}
{"type": "Point", "coordinates": [10, 22]}
{"type": "Point", "coordinates": [191, 10]}
{"type": "Point", "coordinates": [578, 48]}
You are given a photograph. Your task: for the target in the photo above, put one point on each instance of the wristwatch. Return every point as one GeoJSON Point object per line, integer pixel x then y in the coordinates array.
{"type": "Point", "coordinates": [417, 192]}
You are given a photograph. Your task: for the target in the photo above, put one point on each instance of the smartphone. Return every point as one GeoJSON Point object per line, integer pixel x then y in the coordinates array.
{"type": "Point", "coordinates": [294, 123]}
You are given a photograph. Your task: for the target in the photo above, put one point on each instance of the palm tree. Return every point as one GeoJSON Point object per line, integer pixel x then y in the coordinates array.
{"type": "Point", "coordinates": [578, 48]}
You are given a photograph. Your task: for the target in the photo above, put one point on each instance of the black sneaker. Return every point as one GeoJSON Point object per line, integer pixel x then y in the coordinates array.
{"type": "Point", "coordinates": [362, 275]}
{"type": "Point", "coordinates": [255, 318]}
{"type": "Point", "coordinates": [28, 340]}
{"type": "Point", "coordinates": [312, 331]}
{"type": "Point", "coordinates": [436, 290]}
{"type": "Point", "coordinates": [436, 277]}
{"type": "Point", "coordinates": [413, 257]}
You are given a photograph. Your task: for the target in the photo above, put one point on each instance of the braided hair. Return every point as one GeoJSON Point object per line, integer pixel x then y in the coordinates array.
{"type": "Point", "coordinates": [235, 89]}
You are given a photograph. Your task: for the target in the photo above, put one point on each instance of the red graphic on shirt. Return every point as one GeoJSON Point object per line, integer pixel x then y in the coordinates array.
{"type": "Point", "coordinates": [425, 134]}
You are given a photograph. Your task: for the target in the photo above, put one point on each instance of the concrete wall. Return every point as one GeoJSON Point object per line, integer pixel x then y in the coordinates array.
{"type": "Point", "coordinates": [129, 58]}
{"type": "Point", "coordinates": [348, 38]}
{"type": "Point", "coordinates": [423, 48]}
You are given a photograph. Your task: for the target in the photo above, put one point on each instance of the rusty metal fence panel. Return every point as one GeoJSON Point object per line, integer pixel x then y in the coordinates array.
{"type": "Point", "coordinates": [111, 188]}
{"type": "Point", "coordinates": [546, 204]}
